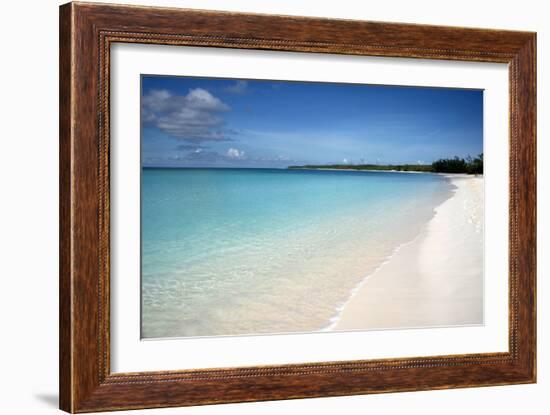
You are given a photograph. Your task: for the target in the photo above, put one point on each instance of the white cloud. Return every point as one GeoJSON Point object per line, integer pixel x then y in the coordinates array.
{"type": "Point", "coordinates": [202, 99]}
{"type": "Point", "coordinates": [194, 116]}
{"type": "Point", "coordinates": [234, 153]}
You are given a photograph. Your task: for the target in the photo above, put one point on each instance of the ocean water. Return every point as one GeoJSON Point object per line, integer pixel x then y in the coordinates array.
{"type": "Point", "coordinates": [257, 251]}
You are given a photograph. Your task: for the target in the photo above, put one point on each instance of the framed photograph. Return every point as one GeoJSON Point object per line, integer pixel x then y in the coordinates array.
{"type": "Point", "coordinates": [258, 207]}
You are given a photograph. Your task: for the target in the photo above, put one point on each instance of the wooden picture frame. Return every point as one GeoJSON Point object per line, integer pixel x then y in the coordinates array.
{"type": "Point", "coordinates": [86, 33]}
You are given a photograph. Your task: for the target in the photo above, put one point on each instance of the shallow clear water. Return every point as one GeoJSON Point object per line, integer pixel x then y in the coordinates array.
{"type": "Point", "coordinates": [250, 251]}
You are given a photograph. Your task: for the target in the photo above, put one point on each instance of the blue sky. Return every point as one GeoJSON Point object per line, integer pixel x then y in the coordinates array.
{"type": "Point", "coordinates": [206, 122]}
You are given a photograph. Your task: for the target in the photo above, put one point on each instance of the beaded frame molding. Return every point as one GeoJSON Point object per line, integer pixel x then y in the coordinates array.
{"type": "Point", "coordinates": [86, 33]}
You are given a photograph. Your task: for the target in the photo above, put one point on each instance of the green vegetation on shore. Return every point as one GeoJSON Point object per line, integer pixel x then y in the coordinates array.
{"type": "Point", "coordinates": [468, 165]}
{"type": "Point", "coordinates": [387, 167]}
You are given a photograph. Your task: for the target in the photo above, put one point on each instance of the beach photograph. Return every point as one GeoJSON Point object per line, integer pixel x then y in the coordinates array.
{"type": "Point", "coordinates": [275, 207]}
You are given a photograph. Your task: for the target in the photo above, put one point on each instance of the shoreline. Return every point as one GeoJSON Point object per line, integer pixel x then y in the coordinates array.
{"type": "Point", "coordinates": [449, 175]}
{"type": "Point", "coordinates": [436, 279]}
{"type": "Point", "coordinates": [368, 170]}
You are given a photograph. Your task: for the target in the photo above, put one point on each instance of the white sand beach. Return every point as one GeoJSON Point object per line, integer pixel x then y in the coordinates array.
{"type": "Point", "coordinates": [434, 280]}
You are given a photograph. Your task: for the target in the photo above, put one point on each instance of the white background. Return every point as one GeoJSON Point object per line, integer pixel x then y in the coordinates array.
{"type": "Point", "coordinates": [28, 208]}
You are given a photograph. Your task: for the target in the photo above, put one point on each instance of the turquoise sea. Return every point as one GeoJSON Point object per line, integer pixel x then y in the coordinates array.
{"type": "Point", "coordinates": [252, 251]}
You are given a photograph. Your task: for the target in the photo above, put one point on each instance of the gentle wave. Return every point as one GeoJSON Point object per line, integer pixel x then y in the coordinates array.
{"type": "Point", "coordinates": [333, 322]}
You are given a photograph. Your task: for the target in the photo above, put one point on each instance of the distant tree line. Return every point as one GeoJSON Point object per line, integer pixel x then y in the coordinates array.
{"type": "Point", "coordinates": [382, 167]}
{"type": "Point", "coordinates": [468, 165]}
{"type": "Point", "coordinates": [459, 165]}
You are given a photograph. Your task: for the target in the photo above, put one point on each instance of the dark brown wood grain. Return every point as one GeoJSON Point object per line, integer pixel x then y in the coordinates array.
{"type": "Point", "coordinates": [65, 246]}
{"type": "Point", "coordinates": [86, 33]}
